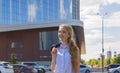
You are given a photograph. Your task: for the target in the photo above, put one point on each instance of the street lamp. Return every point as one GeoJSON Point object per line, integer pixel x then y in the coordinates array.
{"type": "Point", "coordinates": [115, 53]}
{"type": "Point", "coordinates": [102, 55]}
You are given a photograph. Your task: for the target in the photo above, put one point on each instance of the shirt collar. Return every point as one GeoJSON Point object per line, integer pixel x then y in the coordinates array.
{"type": "Point", "coordinates": [66, 46]}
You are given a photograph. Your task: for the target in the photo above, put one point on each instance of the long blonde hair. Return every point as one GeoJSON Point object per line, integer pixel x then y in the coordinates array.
{"type": "Point", "coordinates": [73, 47]}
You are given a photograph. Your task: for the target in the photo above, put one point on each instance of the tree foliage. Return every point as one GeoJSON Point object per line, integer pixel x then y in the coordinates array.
{"type": "Point", "coordinates": [98, 63]}
{"type": "Point", "coordinates": [92, 62]}
{"type": "Point", "coordinates": [106, 62]}
{"type": "Point", "coordinates": [13, 58]}
{"type": "Point", "coordinates": [82, 61]}
{"type": "Point", "coordinates": [117, 60]}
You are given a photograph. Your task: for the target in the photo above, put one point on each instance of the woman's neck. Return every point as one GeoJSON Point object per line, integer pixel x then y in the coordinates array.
{"type": "Point", "coordinates": [64, 44]}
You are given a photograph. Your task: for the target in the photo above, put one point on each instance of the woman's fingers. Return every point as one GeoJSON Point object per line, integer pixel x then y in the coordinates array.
{"type": "Point", "coordinates": [54, 51]}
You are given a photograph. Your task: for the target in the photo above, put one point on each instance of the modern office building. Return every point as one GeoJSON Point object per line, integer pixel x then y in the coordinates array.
{"type": "Point", "coordinates": [109, 54]}
{"type": "Point", "coordinates": [28, 28]}
{"type": "Point", "coordinates": [14, 12]}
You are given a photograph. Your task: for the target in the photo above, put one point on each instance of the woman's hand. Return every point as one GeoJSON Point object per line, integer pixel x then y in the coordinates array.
{"type": "Point", "coordinates": [54, 54]}
{"type": "Point", "coordinates": [54, 51]}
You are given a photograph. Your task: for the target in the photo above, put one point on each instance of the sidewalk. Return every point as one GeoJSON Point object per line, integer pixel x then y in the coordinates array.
{"type": "Point", "coordinates": [48, 72]}
{"type": "Point", "coordinates": [99, 72]}
{"type": "Point", "coordinates": [92, 72]}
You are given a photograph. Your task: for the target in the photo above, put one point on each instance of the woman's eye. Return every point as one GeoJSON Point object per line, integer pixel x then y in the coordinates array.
{"type": "Point", "coordinates": [64, 32]}
{"type": "Point", "coordinates": [59, 31]}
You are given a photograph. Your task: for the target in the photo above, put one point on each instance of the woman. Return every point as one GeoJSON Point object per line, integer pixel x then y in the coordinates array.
{"type": "Point", "coordinates": [65, 58]}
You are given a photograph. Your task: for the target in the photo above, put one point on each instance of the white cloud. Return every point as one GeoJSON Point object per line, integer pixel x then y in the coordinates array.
{"type": "Point", "coordinates": [93, 51]}
{"type": "Point", "coordinates": [114, 1]}
{"type": "Point", "coordinates": [113, 46]}
{"type": "Point", "coordinates": [96, 49]}
{"type": "Point", "coordinates": [71, 6]}
{"type": "Point", "coordinates": [32, 11]}
{"type": "Point", "coordinates": [113, 20]}
{"type": "Point", "coordinates": [62, 10]}
{"type": "Point", "coordinates": [93, 25]}
{"type": "Point", "coordinates": [95, 21]}
{"type": "Point", "coordinates": [91, 6]}
{"type": "Point", "coordinates": [93, 36]}
{"type": "Point", "coordinates": [91, 20]}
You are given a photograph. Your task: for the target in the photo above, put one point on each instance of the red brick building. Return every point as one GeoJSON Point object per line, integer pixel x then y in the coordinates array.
{"type": "Point", "coordinates": [27, 41]}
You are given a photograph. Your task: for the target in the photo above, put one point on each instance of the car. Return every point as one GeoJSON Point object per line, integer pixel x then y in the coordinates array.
{"type": "Point", "coordinates": [85, 69]}
{"type": "Point", "coordinates": [112, 66]}
{"type": "Point", "coordinates": [18, 68]}
{"type": "Point", "coordinates": [47, 68]}
{"type": "Point", "coordinates": [114, 70]}
{"type": "Point", "coordinates": [5, 67]}
{"type": "Point", "coordinates": [35, 65]}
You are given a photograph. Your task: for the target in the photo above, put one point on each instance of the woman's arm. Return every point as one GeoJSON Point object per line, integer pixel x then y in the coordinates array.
{"type": "Point", "coordinates": [53, 63]}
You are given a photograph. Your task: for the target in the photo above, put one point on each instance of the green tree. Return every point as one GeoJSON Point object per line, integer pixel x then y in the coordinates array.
{"type": "Point", "coordinates": [117, 60]}
{"type": "Point", "coordinates": [93, 62]}
{"type": "Point", "coordinates": [13, 58]}
{"type": "Point", "coordinates": [106, 62]}
{"type": "Point", "coordinates": [89, 62]}
{"type": "Point", "coordinates": [112, 61]}
{"type": "Point", "coordinates": [86, 63]}
{"type": "Point", "coordinates": [82, 61]}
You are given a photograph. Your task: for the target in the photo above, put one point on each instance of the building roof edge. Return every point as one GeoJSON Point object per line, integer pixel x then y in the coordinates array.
{"type": "Point", "coordinates": [6, 28]}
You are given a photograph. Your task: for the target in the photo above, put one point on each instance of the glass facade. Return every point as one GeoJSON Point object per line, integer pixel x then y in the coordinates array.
{"type": "Point", "coordinates": [47, 39]}
{"type": "Point", "coordinates": [17, 12]}
{"type": "Point", "coordinates": [14, 12]}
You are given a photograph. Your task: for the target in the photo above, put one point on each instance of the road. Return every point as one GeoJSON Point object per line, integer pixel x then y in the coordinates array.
{"type": "Point", "coordinates": [99, 72]}
{"type": "Point", "coordinates": [92, 72]}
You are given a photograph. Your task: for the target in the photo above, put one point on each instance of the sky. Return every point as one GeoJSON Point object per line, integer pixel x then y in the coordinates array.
{"type": "Point", "coordinates": [91, 13]}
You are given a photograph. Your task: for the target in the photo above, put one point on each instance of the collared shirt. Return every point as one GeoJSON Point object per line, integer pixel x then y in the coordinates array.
{"type": "Point", "coordinates": [63, 60]}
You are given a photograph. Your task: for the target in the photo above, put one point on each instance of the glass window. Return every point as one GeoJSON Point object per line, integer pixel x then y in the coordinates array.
{"type": "Point", "coordinates": [47, 39]}
{"type": "Point", "coordinates": [82, 66]}
{"type": "Point", "coordinates": [17, 11]}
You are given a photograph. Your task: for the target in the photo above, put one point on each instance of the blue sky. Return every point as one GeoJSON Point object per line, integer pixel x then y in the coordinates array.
{"type": "Point", "coordinates": [89, 10]}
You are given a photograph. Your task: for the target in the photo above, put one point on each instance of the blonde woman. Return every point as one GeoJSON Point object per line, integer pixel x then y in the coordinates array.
{"type": "Point", "coordinates": [65, 57]}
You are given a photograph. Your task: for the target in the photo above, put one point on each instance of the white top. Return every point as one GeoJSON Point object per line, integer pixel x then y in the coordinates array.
{"type": "Point", "coordinates": [63, 60]}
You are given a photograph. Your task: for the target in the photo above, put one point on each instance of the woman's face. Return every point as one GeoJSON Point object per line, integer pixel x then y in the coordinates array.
{"type": "Point", "coordinates": [63, 34]}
